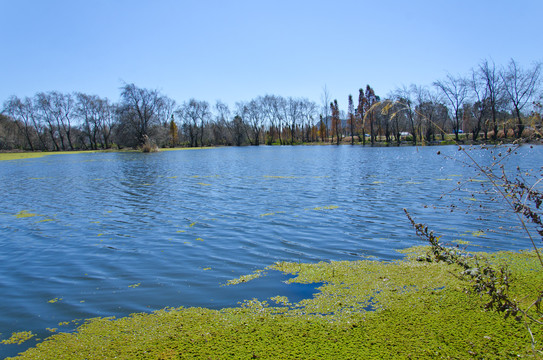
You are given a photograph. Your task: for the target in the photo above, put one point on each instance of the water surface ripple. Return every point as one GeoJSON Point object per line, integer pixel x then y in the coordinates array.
{"type": "Point", "coordinates": [115, 233]}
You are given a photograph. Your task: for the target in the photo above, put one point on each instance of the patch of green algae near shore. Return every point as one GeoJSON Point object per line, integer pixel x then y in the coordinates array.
{"type": "Point", "coordinates": [38, 154]}
{"type": "Point", "coordinates": [365, 310]}
{"type": "Point", "coordinates": [33, 155]}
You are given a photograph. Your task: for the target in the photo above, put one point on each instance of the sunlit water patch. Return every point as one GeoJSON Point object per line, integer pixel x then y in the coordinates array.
{"type": "Point", "coordinates": [87, 235]}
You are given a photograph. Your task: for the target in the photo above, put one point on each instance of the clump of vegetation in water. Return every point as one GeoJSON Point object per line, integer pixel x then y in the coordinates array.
{"type": "Point", "coordinates": [18, 337]}
{"type": "Point", "coordinates": [148, 145]}
{"type": "Point", "coordinates": [364, 309]}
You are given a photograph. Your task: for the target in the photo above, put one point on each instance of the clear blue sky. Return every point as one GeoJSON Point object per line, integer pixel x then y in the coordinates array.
{"type": "Point", "coordinates": [234, 50]}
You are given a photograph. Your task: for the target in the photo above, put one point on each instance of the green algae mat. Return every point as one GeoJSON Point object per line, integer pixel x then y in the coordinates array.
{"type": "Point", "coordinates": [365, 309]}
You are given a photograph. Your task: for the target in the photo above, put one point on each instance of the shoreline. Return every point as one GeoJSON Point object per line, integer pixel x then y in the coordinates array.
{"type": "Point", "coordinates": [6, 155]}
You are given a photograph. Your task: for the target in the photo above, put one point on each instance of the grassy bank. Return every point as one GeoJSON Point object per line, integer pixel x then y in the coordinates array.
{"type": "Point", "coordinates": [448, 141]}
{"type": "Point", "coordinates": [37, 154]}
{"type": "Point", "coordinates": [365, 309]}
{"type": "Point", "coordinates": [31, 155]}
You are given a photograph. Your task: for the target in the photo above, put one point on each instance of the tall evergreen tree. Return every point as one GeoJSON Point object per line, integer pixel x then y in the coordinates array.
{"type": "Point", "coordinates": [351, 118]}
{"type": "Point", "coordinates": [336, 121]}
{"type": "Point", "coordinates": [360, 113]}
{"type": "Point", "coordinates": [174, 134]}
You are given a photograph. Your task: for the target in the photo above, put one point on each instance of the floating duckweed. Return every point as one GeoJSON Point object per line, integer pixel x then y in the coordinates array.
{"type": "Point", "coordinates": [329, 207]}
{"type": "Point", "coordinates": [25, 214]}
{"type": "Point", "coordinates": [199, 239]}
{"type": "Point", "coordinates": [207, 268]}
{"type": "Point", "coordinates": [283, 300]}
{"type": "Point", "coordinates": [181, 231]}
{"type": "Point", "coordinates": [134, 285]}
{"type": "Point", "coordinates": [478, 233]}
{"type": "Point", "coordinates": [52, 301]}
{"type": "Point", "coordinates": [203, 184]}
{"type": "Point", "coordinates": [246, 278]}
{"type": "Point", "coordinates": [281, 177]}
{"type": "Point", "coordinates": [205, 176]}
{"type": "Point", "coordinates": [44, 220]}
{"type": "Point", "coordinates": [19, 337]}
{"type": "Point", "coordinates": [51, 329]}
{"type": "Point", "coordinates": [266, 214]}
{"type": "Point", "coordinates": [192, 224]}
{"type": "Point", "coordinates": [363, 310]}
{"type": "Point", "coordinates": [461, 242]}
{"type": "Point", "coordinates": [378, 182]}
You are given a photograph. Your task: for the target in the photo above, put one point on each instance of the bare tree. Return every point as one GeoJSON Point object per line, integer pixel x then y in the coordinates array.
{"type": "Point", "coordinates": [57, 109]}
{"type": "Point", "coordinates": [307, 114]}
{"type": "Point", "coordinates": [87, 111]}
{"type": "Point", "coordinates": [64, 107]}
{"type": "Point", "coordinates": [167, 109]}
{"type": "Point", "coordinates": [325, 101]}
{"type": "Point", "coordinates": [520, 86]}
{"type": "Point", "coordinates": [271, 110]}
{"type": "Point", "coordinates": [10, 135]}
{"type": "Point", "coordinates": [431, 114]}
{"type": "Point", "coordinates": [220, 125]}
{"type": "Point", "coordinates": [97, 120]}
{"type": "Point", "coordinates": [252, 114]}
{"type": "Point", "coordinates": [397, 119]}
{"type": "Point", "coordinates": [45, 110]}
{"type": "Point", "coordinates": [455, 90]}
{"type": "Point", "coordinates": [141, 109]}
{"type": "Point", "coordinates": [404, 97]}
{"type": "Point", "coordinates": [22, 111]}
{"type": "Point", "coordinates": [481, 105]}
{"type": "Point", "coordinates": [194, 115]}
{"type": "Point", "coordinates": [492, 80]}
{"type": "Point", "coordinates": [107, 112]}
{"type": "Point", "coordinates": [293, 114]}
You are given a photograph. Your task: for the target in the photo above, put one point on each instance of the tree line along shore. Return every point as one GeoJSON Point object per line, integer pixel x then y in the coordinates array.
{"type": "Point", "coordinates": [491, 103]}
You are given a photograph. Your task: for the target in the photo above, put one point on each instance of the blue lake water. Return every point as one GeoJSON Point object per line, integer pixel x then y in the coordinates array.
{"type": "Point", "coordinates": [109, 234]}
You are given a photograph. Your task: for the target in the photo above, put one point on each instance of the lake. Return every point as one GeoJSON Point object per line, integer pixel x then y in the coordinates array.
{"type": "Point", "coordinates": [109, 234]}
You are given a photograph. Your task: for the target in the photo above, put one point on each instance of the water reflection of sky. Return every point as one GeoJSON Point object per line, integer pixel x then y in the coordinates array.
{"type": "Point", "coordinates": [181, 223]}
